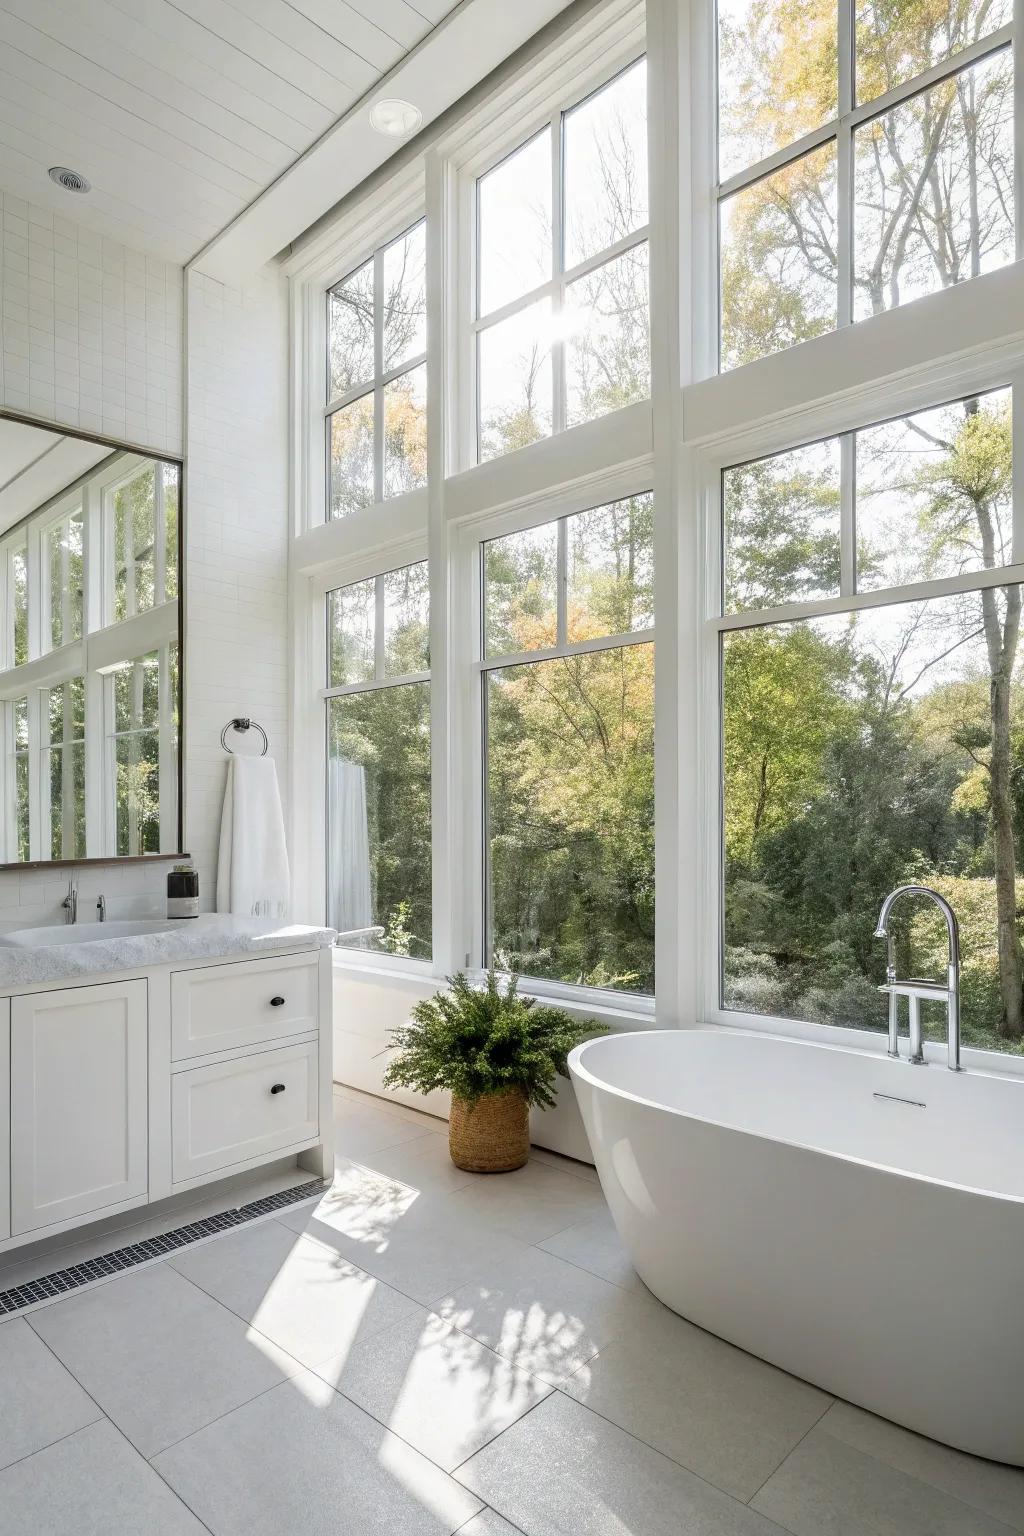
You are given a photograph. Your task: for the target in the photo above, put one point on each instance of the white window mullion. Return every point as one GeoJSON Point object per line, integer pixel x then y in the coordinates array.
{"type": "Point", "coordinates": [379, 614]}
{"type": "Point", "coordinates": [159, 535]}
{"type": "Point", "coordinates": [844, 166]}
{"type": "Point", "coordinates": [847, 514]}
{"type": "Point", "coordinates": [562, 583]}
{"type": "Point", "coordinates": [167, 776]}
{"type": "Point", "coordinates": [96, 838]}
{"type": "Point", "coordinates": [35, 586]}
{"type": "Point", "coordinates": [378, 369]}
{"type": "Point", "coordinates": [558, 401]}
{"type": "Point", "coordinates": [38, 774]}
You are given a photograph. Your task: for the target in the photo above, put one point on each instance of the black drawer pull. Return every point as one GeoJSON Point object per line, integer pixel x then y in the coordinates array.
{"type": "Point", "coordinates": [278, 1088]}
{"type": "Point", "coordinates": [277, 1002]}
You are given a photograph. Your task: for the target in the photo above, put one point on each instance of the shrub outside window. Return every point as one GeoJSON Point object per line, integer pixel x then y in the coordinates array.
{"type": "Point", "coordinates": [568, 699]}
{"type": "Point", "coordinates": [873, 721]}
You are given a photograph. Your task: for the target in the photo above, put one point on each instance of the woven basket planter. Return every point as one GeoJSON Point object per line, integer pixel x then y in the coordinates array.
{"type": "Point", "coordinates": [491, 1137]}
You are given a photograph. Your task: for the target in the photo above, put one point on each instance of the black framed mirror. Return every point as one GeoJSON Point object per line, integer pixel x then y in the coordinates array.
{"type": "Point", "coordinates": [91, 663]}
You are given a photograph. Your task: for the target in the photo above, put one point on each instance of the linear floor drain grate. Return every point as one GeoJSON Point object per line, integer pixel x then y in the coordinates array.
{"type": "Point", "coordinates": [77, 1275]}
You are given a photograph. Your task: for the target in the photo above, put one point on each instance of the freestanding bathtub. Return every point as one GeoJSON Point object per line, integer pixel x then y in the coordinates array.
{"type": "Point", "coordinates": [855, 1220]}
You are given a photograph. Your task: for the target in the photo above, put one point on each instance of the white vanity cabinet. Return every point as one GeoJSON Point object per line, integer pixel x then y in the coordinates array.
{"type": "Point", "coordinates": [131, 1089]}
{"type": "Point", "coordinates": [79, 1123]}
{"type": "Point", "coordinates": [5, 1098]}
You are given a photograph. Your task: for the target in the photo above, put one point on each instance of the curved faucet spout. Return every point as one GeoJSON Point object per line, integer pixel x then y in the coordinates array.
{"type": "Point", "coordinates": [915, 991]}
{"type": "Point", "coordinates": [952, 926]}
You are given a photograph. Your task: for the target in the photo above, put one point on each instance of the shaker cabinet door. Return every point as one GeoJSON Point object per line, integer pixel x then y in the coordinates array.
{"type": "Point", "coordinates": [79, 1105]}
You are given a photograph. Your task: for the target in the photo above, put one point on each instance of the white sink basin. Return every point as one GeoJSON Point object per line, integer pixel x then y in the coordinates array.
{"type": "Point", "coordinates": [86, 933]}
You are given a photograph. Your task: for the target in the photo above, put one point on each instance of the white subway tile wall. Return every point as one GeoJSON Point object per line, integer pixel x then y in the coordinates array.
{"type": "Point", "coordinates": [236, 651]}
{"type": "Point", "coordinates": [90, 331]}
{"type": "Point", "coordinates": [91, 337]}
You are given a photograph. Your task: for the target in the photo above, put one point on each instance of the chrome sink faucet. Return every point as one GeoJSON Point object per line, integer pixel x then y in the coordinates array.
{"type": "Point", "coordinates": [70, 902]}
{"type": "Point", "coordinates": [916, 991]}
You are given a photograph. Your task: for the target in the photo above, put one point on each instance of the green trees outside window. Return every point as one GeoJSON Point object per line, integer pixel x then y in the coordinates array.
{"type": "Point", "coordinates": [929, 188]}
{"type": "Point", "coordinates": [865, 748]}
{"type": "Point", "coordinates": [570, 748]}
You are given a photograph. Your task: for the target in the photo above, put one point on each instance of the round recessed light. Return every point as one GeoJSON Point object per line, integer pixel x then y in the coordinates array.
{"type": "Point", "coordinates": [395, 118]}
{"type": "Point", "coordinates": [71, 181]}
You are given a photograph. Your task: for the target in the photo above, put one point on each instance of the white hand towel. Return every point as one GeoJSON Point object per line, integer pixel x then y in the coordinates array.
{"type": "Point", "coordinates": [253, 878]}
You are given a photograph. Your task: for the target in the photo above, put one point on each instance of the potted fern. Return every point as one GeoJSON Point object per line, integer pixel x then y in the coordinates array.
{"type": "Point", "coordinates": [496, 1053]}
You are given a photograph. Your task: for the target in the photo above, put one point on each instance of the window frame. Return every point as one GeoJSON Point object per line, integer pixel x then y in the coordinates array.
{"type": "Point", "coordinates": [942, 384]}
{"type": "Point", "coordinates": [483, 665]}
{"type": "Point", "coordinates": [314, 643]}
{"type": "Point", "coordinates": [377, 383]}
{"type": "Point", "coordinates": [105, 643]}
{"type": "Point", "coordinates": [567, 80]}
{"type": "Point", "coordinates": [841, 129]}
{"type": "Point", "coordinates": [554, 287]}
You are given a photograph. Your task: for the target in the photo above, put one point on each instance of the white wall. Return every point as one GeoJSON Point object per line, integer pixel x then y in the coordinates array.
{"type": "Point", "coordinates": [91, 336]}
{"type": "Point", "coordinates": [369, 1003]}
{"type": "Point", "coordinates": [90, 331]}
{"type": "Point", "coordinates": [236, 537]}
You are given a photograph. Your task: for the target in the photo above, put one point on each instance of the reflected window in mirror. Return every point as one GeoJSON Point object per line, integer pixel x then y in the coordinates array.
{"type": "Point", "coordinates": [89, 649]}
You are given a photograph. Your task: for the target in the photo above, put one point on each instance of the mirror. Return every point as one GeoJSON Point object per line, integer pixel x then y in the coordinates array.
{"type": "Point", "coordinates": [90, 648]}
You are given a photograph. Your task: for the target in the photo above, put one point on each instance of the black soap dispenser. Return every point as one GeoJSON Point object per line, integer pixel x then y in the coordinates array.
{"type": "Point", "coordinates": [183, 891]}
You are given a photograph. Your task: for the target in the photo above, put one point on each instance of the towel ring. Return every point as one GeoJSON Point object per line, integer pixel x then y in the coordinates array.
{"type": "Point", "coordinates": [242, 723]}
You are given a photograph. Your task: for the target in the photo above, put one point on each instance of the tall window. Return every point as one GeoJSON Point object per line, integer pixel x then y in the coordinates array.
{"type": "Point", "coordinates": [378, 762]}
{"type": "Point", "coordinates": [64, 779]}
{"type": "Point", "coordinates": [562, 327]}
{"type": "Point", "coordinates": [143, 513]}
{"type": "Point", "coordinates": [376, 413]}
{"type": "Point", "coordinates": [90, 613]}
{"type": "Point", "coordinates": [134, 742]}
{"type": "Point", "coordinates": [568, 695]}
{"type": "Point", "coordinates": [63, 584]}
{"type": "Point", "coordinates": [865, 156]}
{"type": "Point", "coordinates": [873, 726]}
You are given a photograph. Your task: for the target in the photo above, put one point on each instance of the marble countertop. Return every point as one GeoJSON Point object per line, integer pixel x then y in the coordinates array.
{"type": "Point", "coordinates": [212, 936]}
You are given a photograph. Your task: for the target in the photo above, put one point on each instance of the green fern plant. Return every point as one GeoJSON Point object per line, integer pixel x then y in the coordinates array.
{"type": "Point", "coordinates": [477, 1041]}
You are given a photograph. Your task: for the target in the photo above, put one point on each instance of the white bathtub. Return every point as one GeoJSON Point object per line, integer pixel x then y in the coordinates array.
{"type": "Point", "coordinates": [766, 1190]}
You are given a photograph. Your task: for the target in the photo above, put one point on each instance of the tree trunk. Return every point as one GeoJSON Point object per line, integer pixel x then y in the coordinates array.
{"type": "Point", "coordinates": [1011, 960]}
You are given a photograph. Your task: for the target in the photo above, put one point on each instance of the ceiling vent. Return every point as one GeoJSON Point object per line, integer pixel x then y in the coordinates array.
{"type": "Point", "coordinates": [71, 181]}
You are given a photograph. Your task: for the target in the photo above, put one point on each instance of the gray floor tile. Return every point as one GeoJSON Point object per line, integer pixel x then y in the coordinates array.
{"type": "Point", "coordinates": [571, 1165]}
{"type": "Point", "coordinates": [304, 1459]}
{"type": "Point", "coordinates": [443, 1392]}
{"type": "Point", "coordinates": [724, 1414]}
{"type": "Point", "coordinates": [90, 1484]}
{"type": "Point", "coordinates": [546, 1316]}
{"type": "Point", "coordinates": [595, 1245]}
{"type": "Point", "coordinates": [562, 1471]}
{"type": "Point", "coordinates": [359, 1131]}
{"type": "Point", "coordinates": [424, 1164]}
{"type": "Point", "coordinates": [827, 1488]}
{"type": "Point", "coordinates": [159, 1356]}
{"type": "Point", "coordinates": [488, 1523]}
{"type": "Point", "coordinates": [417, 1243]}
{"type": "Point", "coordinates": [995, 1489]}
{"type": "Point", "coordinates": [532, 1203]}
{"type": "Point", "coordinates": [40, 1402]}
{"type": "Point", "coordinates": [297, 1292]}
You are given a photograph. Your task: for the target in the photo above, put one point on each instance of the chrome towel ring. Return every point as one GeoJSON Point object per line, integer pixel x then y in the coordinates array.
{"type": "Point", "coordinates": [242, 723]}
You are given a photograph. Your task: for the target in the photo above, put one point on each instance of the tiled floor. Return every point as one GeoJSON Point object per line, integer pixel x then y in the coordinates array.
{"type": "Point", "coordinates": [423, 1352]}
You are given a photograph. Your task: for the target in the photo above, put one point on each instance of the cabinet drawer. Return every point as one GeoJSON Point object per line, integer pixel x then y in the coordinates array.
{"type": "Point", "coordinates": [231, 1111]}
{"type": "Point", "coordinates": [221, 1007]}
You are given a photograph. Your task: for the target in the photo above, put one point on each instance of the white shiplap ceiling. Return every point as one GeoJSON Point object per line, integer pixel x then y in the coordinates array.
{"type": "Point", "coordinates": [181, 114]}
{"type": "Point", "coordinates": [35, 465]}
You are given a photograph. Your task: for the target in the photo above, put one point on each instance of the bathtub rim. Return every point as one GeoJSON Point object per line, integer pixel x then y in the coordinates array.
{"type": "Point", "coordinates": [601, 1085]}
